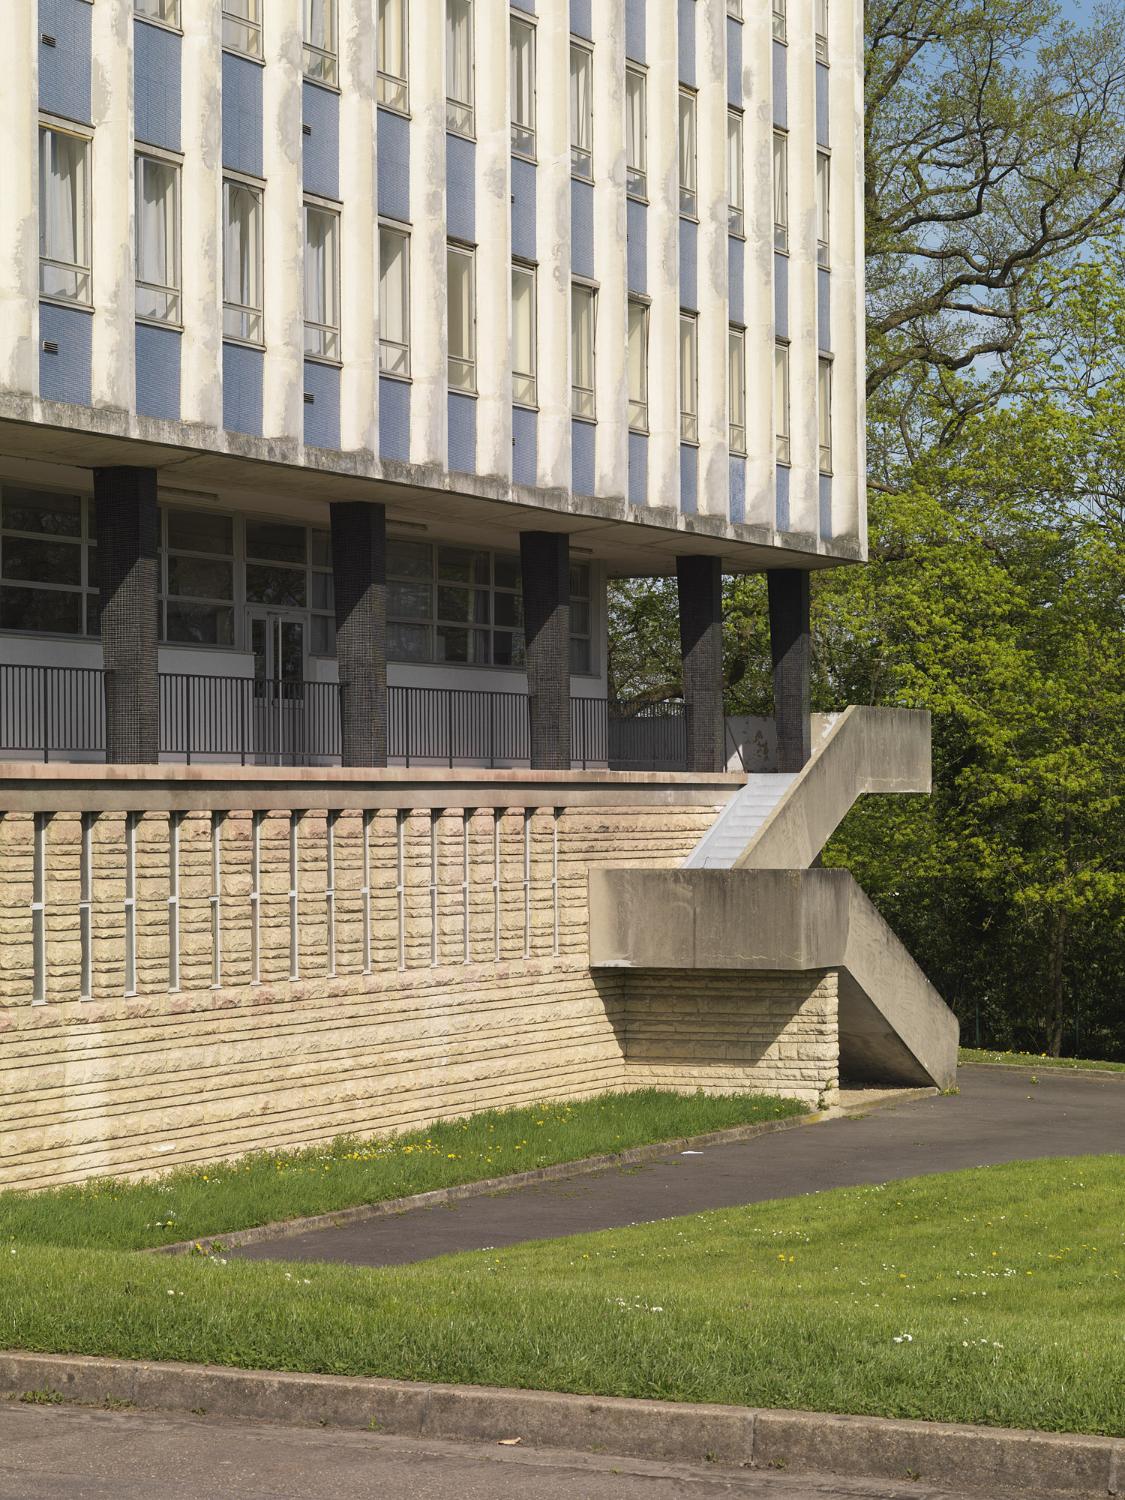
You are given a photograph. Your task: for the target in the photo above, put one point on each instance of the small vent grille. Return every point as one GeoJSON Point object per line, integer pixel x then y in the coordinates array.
{"type": "Point", "coordinates": [50, 346]}
{"type": "Point", "coordinates": [310, 399]}
{"type": "Point", "coordinates": [48, 40]}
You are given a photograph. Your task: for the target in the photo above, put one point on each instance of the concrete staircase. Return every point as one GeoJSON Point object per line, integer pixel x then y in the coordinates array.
{"type": "Point", "coordinates": [739, 822]}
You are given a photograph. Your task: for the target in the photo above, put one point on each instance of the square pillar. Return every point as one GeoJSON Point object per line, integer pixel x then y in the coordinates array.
{"type": "Point", "coordinates": [700, 582]}
{"type": "Point", "coordinates": [359, 574]}
{"type": "Point", "coordinates": [129, 587]}
{"type": "Point", "coordinates": [791, 649]}
{"type": "Point", "coordinates": [545, 565]}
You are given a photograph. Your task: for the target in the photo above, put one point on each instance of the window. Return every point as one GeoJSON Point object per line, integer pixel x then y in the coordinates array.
{"type": "Point", "coordinates": [736, 192]}
{"type": "Point", "coordinates": [276, 564]}
{"type": "Point", "coordinates": [199, 581]}
{"type": "Point", "coordinates": [167, 11]}
{"type": "Point", "coordinates": [637, 366]}
{"type": "Point", "coordinates": [48, 562]}
{"type": "Point", "coordinates": [581, 111]}
{"type": "Point", "coordinates": [242, 27]}
{"type": "Point", "coordinates": [822, 31]}
{"type": "Point", "coordinates": [823, 206]}
{"type": "Point", "coordinates": [392, 57]}
{"type": "Point", "coordinates": [824, 412]}
{"type": "Point", "coordinates": [64, 216]}
{"type": "Point", "coordinates": [157, 185]}
{"type": "Point", "coordinates": [322, 620]}
{"type": "Point", "coordinates": [580, 652]}
{"type": "Point", "coordinates": [636, 133]}
{"type": "Point", "coordinates": [734, 9]}
{"type": "Point", "coordinates": [689, 378]}
{"type": "Point", "coordinates": [394, 301]}
{"type": "Point", "coordinates": [522, 48]}
{"type": "Point", "coordinates": [736, 381]}
{"type": "Point", "coordinates": [459, 113]}
{"type": "Point", "coordinates": [461, 303]}
{"type": "Point", "coordinates": [322, 282]}
{"type": "Point", "coordinates": [780, 190]}
{"type": "Point", "coordinates": [523, 335]}
{"type": "Point", "coordinates": [781, 402]}
{"type": "Point", "coordinates": [583, 319]}
{"type": "Point", "coordinates": [242, 261]}
{"type": "Point", "coordinates": [320, 59]}
{"type": "Point", "coordinates": [779, 20]}
{"type": "Point", "coordinates": [687, 153]}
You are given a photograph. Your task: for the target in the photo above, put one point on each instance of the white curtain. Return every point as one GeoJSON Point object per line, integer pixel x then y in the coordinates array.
{"type": "Point", "coordinates": [637, 361]}
{"type": "Point", "coordinates": [63, 198]}
{"type": "Point", "coordinates": [155, 222]}
{"type": "Point", "coordinates": [460, 305]}
{"type": "Point", "coordinates": [580, 102]}
{"type": "Point", "coordinates": [523, 82]}
{"type": "Point", "coordinates": [736, 375]}
{"type": "Point", "coordinates": [734, 159]}
{"type": "Point", "coordinates": [523, 321]}
{"type": "Point", "coordinates": [392, 38]}
{"type": "Point", "coordinates": [318, 267]}
{"type": "Point", "coordinates": [635, 121]}
{"type": "Point", "coordinates": [318, 24]}
{"type": "Point", "coordinates": [582, 338]}
{"type": "Point", "coordinates": [688, 377]}
{"type": "Point", "coordinates": [687, 142]}
{"type": "Point", "coordinates": [392, 286]}
{"type": "Point", "coordinates": [458, 50]}
{"type": "Point", "coordinates": [780, 180]}
{"type": "Point", "coordinates": [240, 247]}
{"type": "Point", "coordinates": [781, 397]}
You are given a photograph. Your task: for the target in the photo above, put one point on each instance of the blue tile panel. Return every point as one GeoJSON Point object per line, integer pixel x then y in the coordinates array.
{"type": "Point", "coordinates": [242, 115]}
{"type": "Point", "coordinates": [782, 501]}
{"type": "Point", "coordinates": [781, 296]}
{"type": "Point", "coordinates": [525, 445]}
{"type": "Point", "coordinates": [528, 5]}
{"type": "Point", "coordinates": [242, 389]}
{"type": "Point", "coordinates": [156, 86]}
{"type": "Point", "coordinates": [65, 376]}
{"type": "Point", "coordinates": [637, 254]}
{"type": "Point", "coordinates": [322, 415]}
{"type": "Point", "coordinates": [582, 228]}
{"type": "Point", "coordinates": [394, 419]}
{"type": "Point", "coordinates": [686, 33]}
{"type": "Point", "coordinates": [689, 479]}
{"type": "Point", "coordinates": [523, 209]}
{"type": "Point", "coordinates": [392, 137]}
{"type": "Point", "coordinates": [824, 310]}
{"type": "Point", "coordinates": [826, 507]}
{"type": "Point", "coordinates": [737, 488]}
{"type": "Point", "coordinates": [462, 433]}
{"type": "Point", "coordinates": [734, 62]}
{"type": "Point", "coordinates": [581, 22]}
{"type": "Point", "coordinates": [158, 372]}
{"type": "Point", "coordinates": [638, 468]}
{"type": "Point", "coordinates": [461, 188]}
{"type": "Point", "coordinates": [582, 438]}
{"type": "Point", "coordinates": [823, 137]}
{"type": "Point", "coordinates": [780, 90]}
{"type": "Point", "coordinates": [689, 264]}
{"type": "Point", "coordinates": [64, 69]}
{"type": "Point", "coordinates": [635, 40]}
{"type": "Point", "coordinates": [736, 278]}
{"type": "Point", "coordinates": [321, 154]}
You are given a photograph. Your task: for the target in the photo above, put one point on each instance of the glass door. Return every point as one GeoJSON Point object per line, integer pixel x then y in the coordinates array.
{"type": "Point", "coordinates": [278, 641]}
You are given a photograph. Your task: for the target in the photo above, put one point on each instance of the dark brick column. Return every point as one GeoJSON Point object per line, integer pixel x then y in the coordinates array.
{"type": "Point", "coordinates": [359, 570]}
{"type": "Point", "coordinates": [129, 586]}
{"type": "Point", "coordinates": [545, 564]}
{"type": "Point", "coordinates": [700, 581]}
{"type": "Point", "coordinates": [791, 648]}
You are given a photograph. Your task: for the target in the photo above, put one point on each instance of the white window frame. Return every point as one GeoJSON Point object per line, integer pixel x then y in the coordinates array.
{"type": "Point", "coordinates": [824, 412]}
{"type": "Point", "coordinates": [393, 88]}
{"type": "Point", "coordinates": [242, 28]}
{"type": "Point", "coordinates": [322, 340]}
{"type": "Point", "coordinates": [736, 173]}
{"type": "Point", "coordinates": [525, 381]}
{"type": "Point", "coordinates": [736, 379]}
{"type": "Point", "coordinates": [581, 120]}
{"type": "Point", "coordinates": [781, 191]}
{"type": "Point", "coordinates": [74, 276]}
{"type": "Point", "coordinates": [394, 354]}
{"type": "Point", "coordinates": [782, 404]}
{"type": "Point", "coordinates": [243, 322]}
{"type": "Point", "coordinates": [149, 294]}
{"type": "Point", "coordinates": [523, 130]}
{"type": "Point", "coordinates": [321, 60]}
{"type": "Point", "coordinates": [583, 397]}
{"type": "Point", "coordinates": [687, 142]}
{"type": "Point", "coordinates": [460, 114]}
{"type": "Point", "coordinates": [823, 208]}
{"type": "Point", "coordinates": [162, 12]}
{"type": "Point", "coordinates": [780, 21]}
{"type": "Point", "coordinates": [734, 9]}
{"type": "Point", "coordinates": [822, 31]}
{"type": "Point", "coordinates": [637, 327]}
{"type": "Point", "coordinates": [463, 367]}
{"type": "Point", "coordinates": [689, 377]}
{"type": "Point", "coordinates": [636, 141]}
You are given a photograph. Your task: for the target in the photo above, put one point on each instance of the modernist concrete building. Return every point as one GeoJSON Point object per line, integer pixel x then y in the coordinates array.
{"type": "Point", "coordinates": [360, 341]}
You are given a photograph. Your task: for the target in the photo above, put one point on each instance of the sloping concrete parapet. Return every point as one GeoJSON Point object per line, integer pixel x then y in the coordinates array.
{"type": "Point", "coordinates": [894, 1026]}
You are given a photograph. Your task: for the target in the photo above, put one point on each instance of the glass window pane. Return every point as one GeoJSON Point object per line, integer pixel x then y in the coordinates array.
{"type": "Point", "coordinates": [824, 413]}
{"type": "Point", "coordinates": [781, 401]}
{"type": "Point", "coordinates": [157, 228]}
{"type": "Point", "coordinates": [508, 609]}
{"type": "Point", "coordinates": [508, 648]}
{"type": "Point", "coordinates": [522, 54]}
{"type": "Point", "coordinates": [635, 132]}
{"type": "Point", "coordinates": [41, 511]}
{"type": "Point", "coordinates": [462, 374]}
{"type": "Point", "coordinates": [51, 610]}
{"type": "Point", "coordinates": [506, 571]}
{"type": "Point", "coordinates": [781, 191]}
{"type": "Point", "coordinates": [457, 644]}
{"type": "Point", "coordinates": [523, 334]}
{"type": "Point", "coordinates": [823, 205]}
{"type": "Point", "coordinates": [410, 601]}
{"type": "Point", "coordinates": [580, 581]}
{"type": "Point", "coordinates": [459, 565]}
{"type": "Point", "coordinates": [687, 152]}
{"type": "Point", "coordinates": [579, 617]}
{"type": "Point", "coordinates": [323, 591]}
{"type": "Point", "coordinates": [459, 61]}
{"type": "Point", "coordinates": [200, 624]}
{"type": "Point", "coordinates": [469, 605]}
{"type": "Point", "coordinates": [637, 366]}
{"type": "Point", "coordinates": [323, 635]}
{"type": "Point", "coordinates": [391, 40]}
{"type": "Point", "coordinates": [62, 197]}
{"type": "Point", "coordinates": [735, 184]}
{"type": "Point", "coordinates": [276, 541]}
{"type": "Point", "coordinates": [41, 562]}
{"type": "Point", "coordinates": [285, 587]}
{"type": "Point", "coordinates": [582, 307]}
{"type": "Point", "coordinates": [242, 245]}
{"type": "Point", "coordinates": [409, 643]}
{"type": "Point", "coordinates": [320, 543]}
{"type": "Point", "coordinates": [581, 109]}
{"type": "Point", "coordinates": [200, 578]}
{"type": "Point", "coordinates": [321, 277]}
{"type": "Point", "coordinates": [199, 531]}
{"type": "Point", "coordinates": [579, 655]}
{"type": "Point", "coordinates": [409, 559]}
{"type": "Point", "coordinates": [689, 380]}
{"type": "Point", "coordinates": [394, 301]}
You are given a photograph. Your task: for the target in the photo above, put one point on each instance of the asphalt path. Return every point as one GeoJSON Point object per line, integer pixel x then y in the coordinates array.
{"type": "Point", "coordinates": [1000, 1115]}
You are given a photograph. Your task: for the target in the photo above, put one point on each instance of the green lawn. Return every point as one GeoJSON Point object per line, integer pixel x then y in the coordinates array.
{"type": "Point", "coordinates": [1035, 1060]}
{"type": "Point", "coordinates": [203, 1201]}
{"type": "Point", "coordinates": [995, 1296]}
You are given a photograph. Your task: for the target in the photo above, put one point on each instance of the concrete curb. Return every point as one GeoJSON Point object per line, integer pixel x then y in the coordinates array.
{"type": "Point", "coordinates": [1047, 1070]}
{"type": "Point", "coordinates": [635, 1155]}
{"type": "Point", "coordinates": [944, 1454]}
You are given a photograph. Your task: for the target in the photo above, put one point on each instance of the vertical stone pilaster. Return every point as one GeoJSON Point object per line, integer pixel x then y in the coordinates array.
{"type": "Point", "coordinates": [127, 568]}
{"type": "Point", "coordinates": [791, 649]}
{"type": "Point", "coordinates": [359, 566]}
{"type": "Point", "coordinates": [545, 563]}
{"type": "Point", "coordinates": [700, 582]}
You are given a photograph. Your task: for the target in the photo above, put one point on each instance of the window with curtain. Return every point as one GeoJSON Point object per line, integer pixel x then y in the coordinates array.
{"type": "Point", "coordinates": [320, 56]}
{"type": "Point", "coordinates": [822, 31]}
{"type": "Point", "coordinates": [688, 201]}
{"type": "Point", "coordinates": [157, 227]}
{"type": "Point", "coordinates": [242, 261]}
{"type": "Point", "coordinates": [167, 11]}
{"type": "Point", "coordinates": [391, 55]}
{"type": "Point", "coordinates": [242, 27]}
{"type": "Point", "coordinates": [461, 303]}
{"type": "Point", "coordinates": [636, 133]}
{"type": "Point", "coordinates": [736, 191]}
{"type": "Point", "coordinates": [823, 206]}
{"type": "Point", "coordinates": [522, 52]}
{"type": "Point", "coordinates": [322, 282]}
{"type": "Point", "coordinates": [779, 20]}
{"type": "Point", "coordinates": [581, 111]}
{"type": "Point", "coordinates": [459, 111]}
{"type": "Point", "coordinates": [523, 335]}
{"type": "Point", "coordinates": [780, 190]}
{"type": "Point", "coordinates": [394, 301]}
{"type": "Point", "coordinates": [736, 385]}
{"type": "Point", "coordinates": [689, 378]}
{"type": "Point", "coordinates": [583, 313]}
{"type": "Point", "coordinates": [781, 402]}
{"type": "Point", "coordinates": [636, 362]}
{"type": "Point", "coordinates": [824, 412]}
{"type": "Point", "coordinates": [64, 216]}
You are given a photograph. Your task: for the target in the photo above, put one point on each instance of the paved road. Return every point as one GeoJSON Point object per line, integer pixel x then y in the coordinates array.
{"type": "Point", "coordinates": [999, 1115]}
{"type": "Point", "coordinates": [64, 1453]}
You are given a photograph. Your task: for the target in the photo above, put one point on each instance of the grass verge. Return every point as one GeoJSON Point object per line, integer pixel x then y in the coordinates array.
{"type": "Point", "coordinates": [994, 1296]}
{"type": "Point", "coordinates": [1036, 1060]}
{"type": "Point", "coordinates": [190, 1203]}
